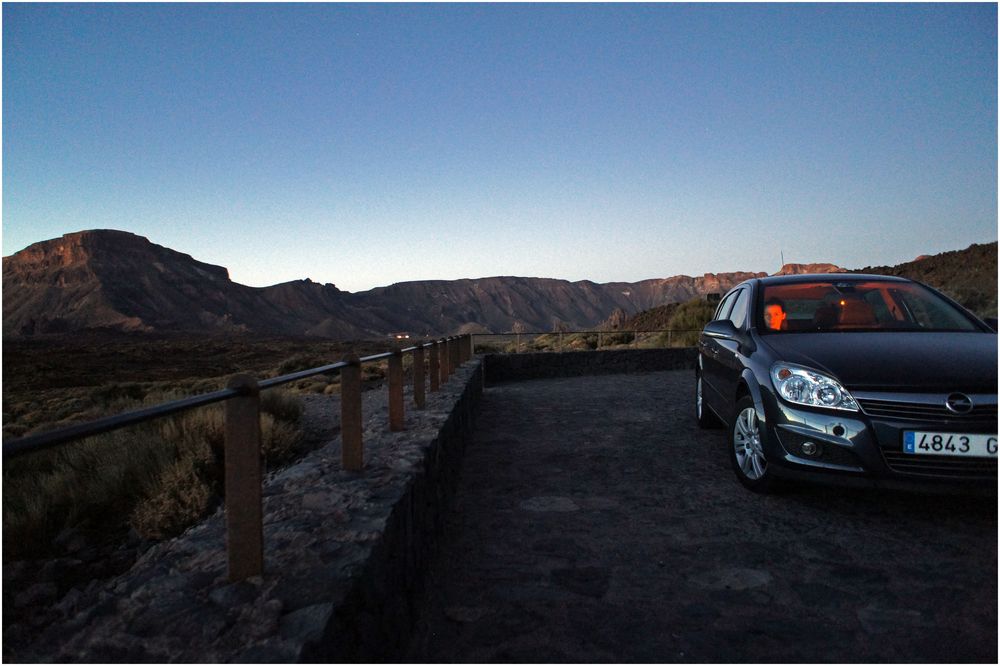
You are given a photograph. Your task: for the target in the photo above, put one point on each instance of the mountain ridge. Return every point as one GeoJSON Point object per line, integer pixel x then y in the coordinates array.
{"type": "Point", "coordinates": [97, 280]}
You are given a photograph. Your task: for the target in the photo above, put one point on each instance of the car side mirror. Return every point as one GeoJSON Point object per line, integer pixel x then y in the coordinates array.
{"type": "Point", "coordinates": [722, 329]}
{"type": "Point", "coordinates": [991, 322]}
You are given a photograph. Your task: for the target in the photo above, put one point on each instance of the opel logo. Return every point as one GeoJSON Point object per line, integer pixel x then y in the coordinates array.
{"type": "Point", "coordinates": [959, 403]}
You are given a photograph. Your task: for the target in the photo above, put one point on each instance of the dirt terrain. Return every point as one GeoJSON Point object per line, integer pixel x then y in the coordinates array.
{"type": "Point", "coordinates": [51, 380]}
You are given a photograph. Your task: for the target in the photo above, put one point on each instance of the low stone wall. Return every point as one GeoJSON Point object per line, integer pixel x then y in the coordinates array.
{"type": "Point", "coordinates": [544, 365]}
{"type": "Point", "coordinates": [344, 557]}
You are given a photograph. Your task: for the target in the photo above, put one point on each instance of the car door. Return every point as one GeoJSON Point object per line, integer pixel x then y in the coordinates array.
{"type": "Point", "coordinates": [728, 366]}
{"type": "Point", "coordinates": [708, 358]}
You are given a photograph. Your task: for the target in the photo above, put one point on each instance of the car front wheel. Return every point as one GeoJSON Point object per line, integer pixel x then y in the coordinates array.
{"type": "Point", "coordinates": [746, 437]}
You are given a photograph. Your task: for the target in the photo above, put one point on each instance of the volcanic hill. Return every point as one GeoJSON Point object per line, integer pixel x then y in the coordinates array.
{"type": "Point", "coordinates": [114, 280]}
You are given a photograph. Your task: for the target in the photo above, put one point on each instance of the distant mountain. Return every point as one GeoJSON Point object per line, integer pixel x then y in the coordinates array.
{"type": "Point", "coordinates": [969, 276]}
{"type": "Point", "coordinates": [94, 280]}
{"type": "Point", "coordinates": [802, 269]}
{"type": "Point", "coordinates": [114, 280]}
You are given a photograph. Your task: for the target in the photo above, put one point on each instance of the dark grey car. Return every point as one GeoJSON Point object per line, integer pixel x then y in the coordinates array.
{"type": "Point", "coordinates": [860, 378]}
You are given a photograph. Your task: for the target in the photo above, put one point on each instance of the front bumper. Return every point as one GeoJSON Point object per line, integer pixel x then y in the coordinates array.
{"type": "Point", "coordinates": [866, 447]}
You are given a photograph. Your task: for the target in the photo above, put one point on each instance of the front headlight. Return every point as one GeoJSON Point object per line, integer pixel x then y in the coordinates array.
{"type": "Point", "coordinates": [805, 386]}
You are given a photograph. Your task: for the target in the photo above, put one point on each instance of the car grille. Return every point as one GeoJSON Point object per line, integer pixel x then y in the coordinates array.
{"type": "Point", "coordinates": [922, 411]}
{"type": "Point", "coordinates": [966, 468]}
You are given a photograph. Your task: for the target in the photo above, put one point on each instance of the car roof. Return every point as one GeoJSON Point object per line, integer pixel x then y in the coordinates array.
{"type": "Point", "coordinates": [827, 277]}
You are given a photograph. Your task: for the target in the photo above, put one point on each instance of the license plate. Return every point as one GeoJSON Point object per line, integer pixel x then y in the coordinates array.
{"type": "Point", "coordinates": [949, 444]}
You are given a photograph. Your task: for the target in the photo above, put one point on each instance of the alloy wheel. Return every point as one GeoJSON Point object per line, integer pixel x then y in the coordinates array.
{"type": "Point", "coordinates": [747, 445]}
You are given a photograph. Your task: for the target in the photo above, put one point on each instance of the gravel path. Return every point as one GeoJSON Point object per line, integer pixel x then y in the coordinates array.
{"type": "Point", "coordinates": [596, 522]}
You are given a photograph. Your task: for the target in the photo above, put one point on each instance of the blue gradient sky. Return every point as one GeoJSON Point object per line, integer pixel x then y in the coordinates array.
{"type": "Point", "coordinates": [369, 144]}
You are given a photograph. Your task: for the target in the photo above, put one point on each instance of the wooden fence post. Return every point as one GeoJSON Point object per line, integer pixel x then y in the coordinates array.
{"type": "Point", "coordinates": [419, 396]}
{"type": "Point", "coordinates": [434, 366]}
{"type": "Point", "coordinates": [445, 357]}
{"type": "Point", "coordinates": [456, 359]}
{"type": "Point", "coordinates": [244, 515]}
{"type": "Point", "coordinates": [396, 416]}
{"type": "Point", "coordinates": [472, 347]}
{"type": "Point", "coordinates": [352, 452]}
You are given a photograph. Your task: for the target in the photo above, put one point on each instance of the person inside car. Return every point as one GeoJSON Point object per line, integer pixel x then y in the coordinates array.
{"type": "Point", "coordinates": [774, 315]}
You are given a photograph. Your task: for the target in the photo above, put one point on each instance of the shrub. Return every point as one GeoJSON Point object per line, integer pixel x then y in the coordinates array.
{"type": "Point", "coordinates": [181, 497]}
{"type": "Point", "coordinates": [160, 477]}
{"type": "Point", "coordinates": [688, 320]}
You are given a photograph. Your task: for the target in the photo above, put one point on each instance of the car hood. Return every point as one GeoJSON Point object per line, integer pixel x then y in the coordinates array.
{"type": "Point", "coordinates": [886, 361]}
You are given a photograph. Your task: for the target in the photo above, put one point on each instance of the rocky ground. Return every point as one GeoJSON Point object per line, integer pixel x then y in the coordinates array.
{"type": "Point", "coordinates": [596, 523]}
{"type": "Point", "coordinates": [138, 601]}
{"type": "Point", "coordinates": [35, 592]}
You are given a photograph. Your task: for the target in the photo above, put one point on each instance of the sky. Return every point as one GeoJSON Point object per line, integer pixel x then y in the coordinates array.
{"type": "Point", "coordinates": [364, 145]}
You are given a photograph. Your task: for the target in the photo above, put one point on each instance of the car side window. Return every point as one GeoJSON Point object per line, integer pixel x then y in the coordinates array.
{"type": "Point", "coordinates": [739, 312]}
{"type": "Point", "coordinates": [724, 306]}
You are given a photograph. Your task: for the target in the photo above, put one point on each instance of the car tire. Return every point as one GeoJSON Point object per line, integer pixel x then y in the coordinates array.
{"type": "Point", "coordinates": [746, 448]}
{"type": "Point", "coordinates": [706, 419]}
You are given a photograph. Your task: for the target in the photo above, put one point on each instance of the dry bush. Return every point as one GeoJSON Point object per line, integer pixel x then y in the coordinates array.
{"type": "Point", "coordinates": [187, 490]}
{"type": "Point", "coordinates": [161, 477]}
{"type": "Point", "coordinates": [374, 371]}
{"type": "Point", "coordinates": [89, 484]}
{"type": "Point", "coordinates": [180, 497]}
{"type": "Point", "coordinates": [281, 404]}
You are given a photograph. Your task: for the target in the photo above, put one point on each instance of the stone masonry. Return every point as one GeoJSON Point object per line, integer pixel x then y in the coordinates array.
{"type": "Point", "coordinates": [344, 555]}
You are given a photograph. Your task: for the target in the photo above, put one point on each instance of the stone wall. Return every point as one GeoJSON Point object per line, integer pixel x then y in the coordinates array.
{"type": "Point", "coordinates": [344, 556]}
{"type": "Point", "coordinates": [544, 365]}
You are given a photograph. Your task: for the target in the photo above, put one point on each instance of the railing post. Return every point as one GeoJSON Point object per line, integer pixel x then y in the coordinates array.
{"type": "Point", "coordinates": [244, 515]}
{"type": "Point", "coordinates": [396, 416]}
{"type": "Point", "coordinates": [445, 358]}
{"type": "Point", "coordinates": [455, 356]}
{"type": "Point", "coordinates": [434, 366]}
{"type": "Point", "coordinates": [419, 383]}
{"type": "Point", "coordinates": [352, 452]}
{"type": "Point", "coordinates": [472, 347]}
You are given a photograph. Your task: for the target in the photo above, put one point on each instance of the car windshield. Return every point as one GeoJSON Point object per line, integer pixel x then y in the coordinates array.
{"type": "Point", "coordinates": [850, 305]}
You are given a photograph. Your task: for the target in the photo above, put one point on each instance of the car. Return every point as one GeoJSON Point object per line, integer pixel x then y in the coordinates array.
{"type": "Point", "coordinates": [851, 378]}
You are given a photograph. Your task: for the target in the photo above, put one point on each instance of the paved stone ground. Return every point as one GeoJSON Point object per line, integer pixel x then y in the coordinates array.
{"type": "Point", "coordinates": [595, 522]}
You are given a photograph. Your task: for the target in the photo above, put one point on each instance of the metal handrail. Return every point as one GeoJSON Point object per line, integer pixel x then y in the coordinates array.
{"type": "Point", "coordinates": [53, 438]}
{"type": "Point", "coordinates": [47, 440]}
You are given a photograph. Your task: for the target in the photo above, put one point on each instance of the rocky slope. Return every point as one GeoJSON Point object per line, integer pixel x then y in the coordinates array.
{"type": "Point", "coordinates": [114, 280]}
{"type": "Point", "coordinates": [969, 276]}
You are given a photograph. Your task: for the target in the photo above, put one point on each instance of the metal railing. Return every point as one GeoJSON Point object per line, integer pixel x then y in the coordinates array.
{"type": "Point", "coordinates": [242, 448]}
{"type": "Point", "coordinates": [242, 436]}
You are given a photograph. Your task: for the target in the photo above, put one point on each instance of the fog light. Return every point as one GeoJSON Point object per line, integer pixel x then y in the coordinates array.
{"type": "Point", "coordinates": [809, 448]}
